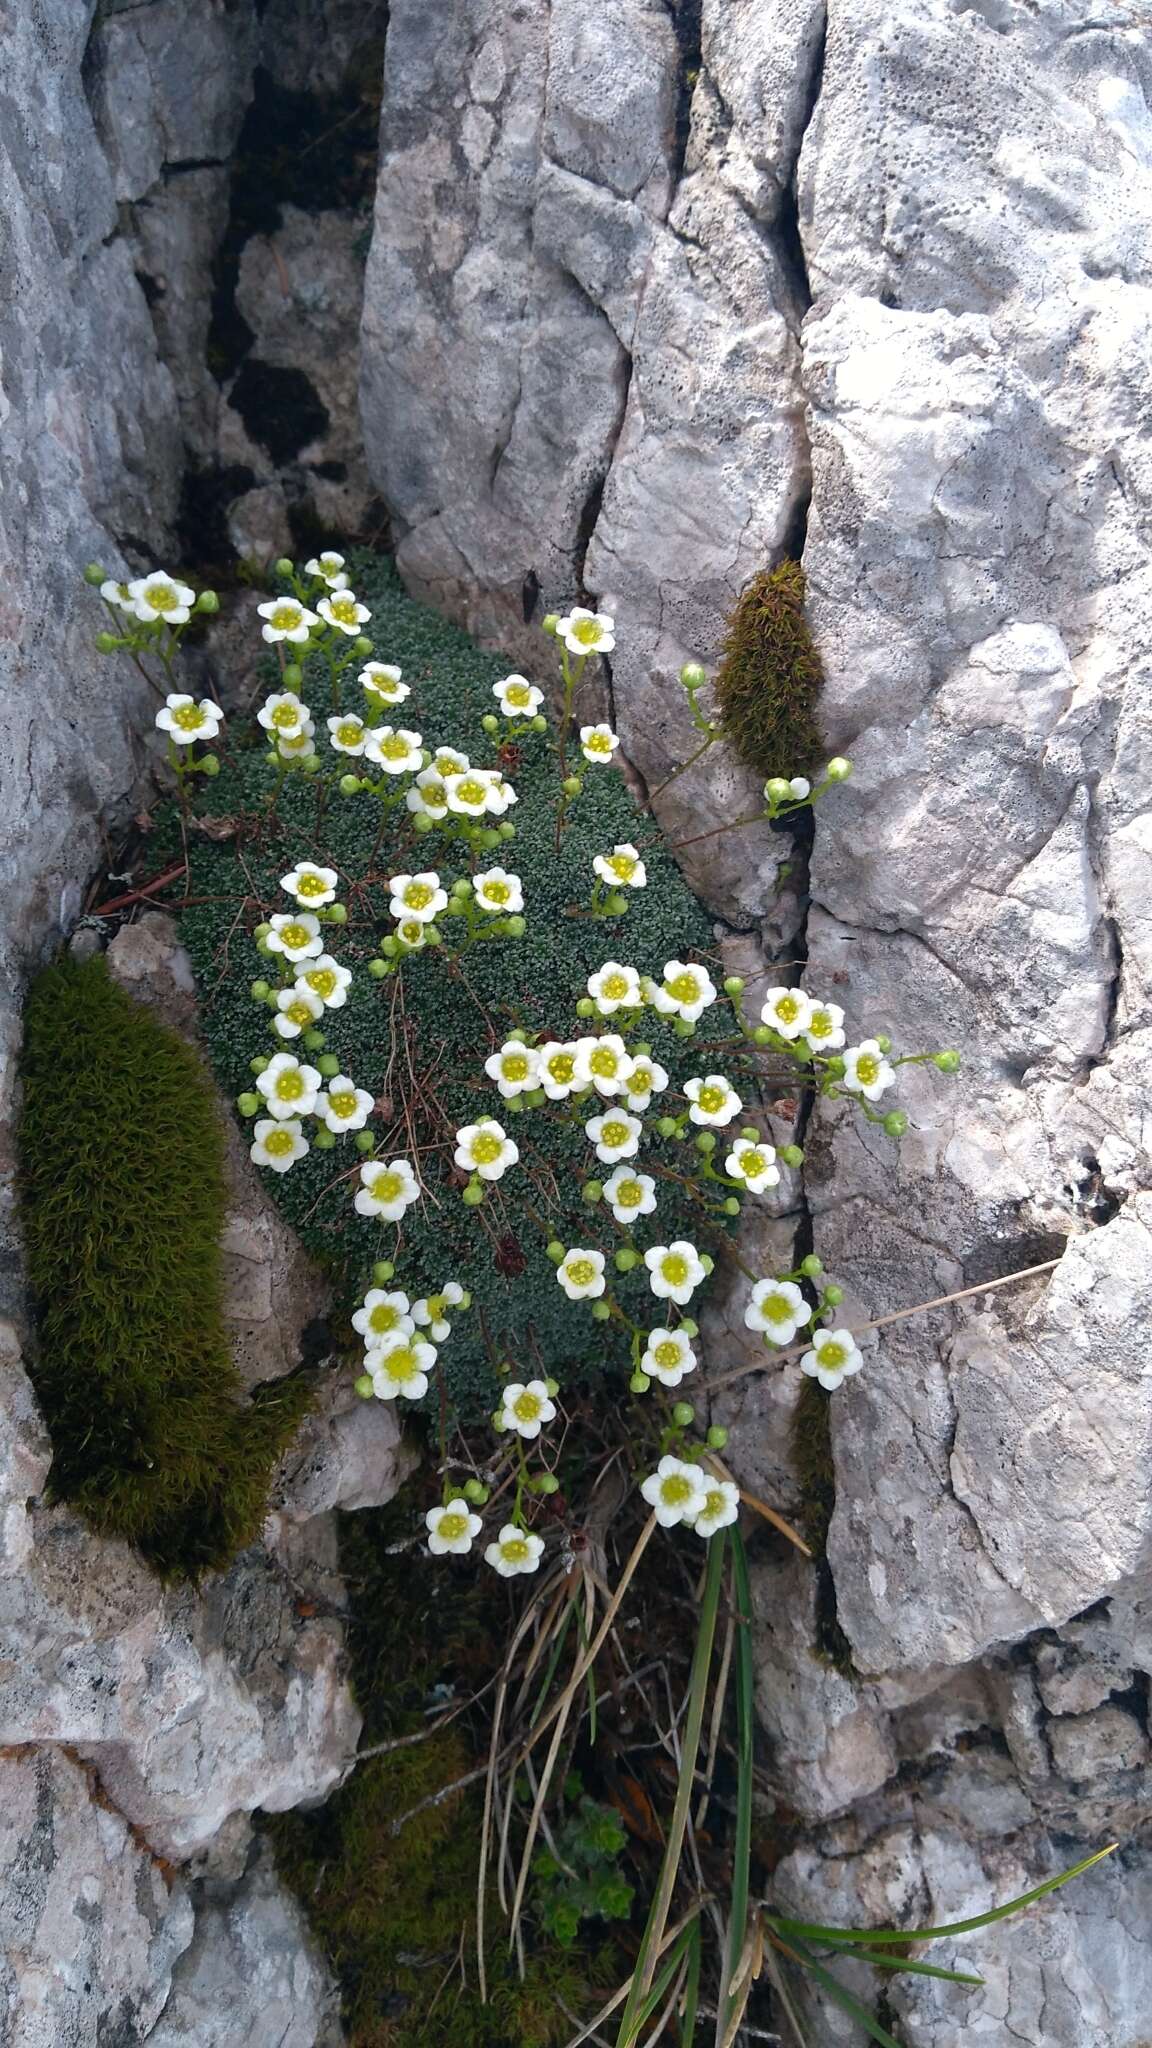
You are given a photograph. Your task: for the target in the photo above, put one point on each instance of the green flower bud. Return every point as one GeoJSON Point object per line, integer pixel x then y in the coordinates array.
{"type": "Point", "coordinates": [264, 948]}
{"type": "Point", "coordinates": [896, 1123]}
{"type": "Point", "coordinates": [324, 1140]}
{"type": "Point", "coordinates": [811, 1266]}
{"type": "Point", "coordinates": [292, 676]}
{"type": "Point", "coordinates": [884, 1043]}
{"type": "Point", "coordinates": [717, 1437]}
{"type": "Point", "coordinates": [642, 1049]}
{"type": "Point", "coordinates": [515, 926]}
{"type": "Point", "coordinates": [552, 1387]}
{"type": "Point", "coordinates": [731, 1205]}
{"type": "Point", "coordinates": [666, 1125]}
{"type": "Point", "coordinates": [261, 931]}
{"type": "Point", "coordinates": [378, 969]}
{"type": "Point", "coordinates": [831, 1296]}
{"type": "Point", "coordinates": [792, 1155]}
{"type": "Point", "coordinates": [260, 991]}
{"type": "Point", "coordinates": [572, 785]}
{"type": "Point", "coordinates": [364, 1386]}
{"type": "Point", "coordinates": [506, 829]}
{"type": "Point", "coordinates": [390, 947]}
{"type": "Point", "coordinates": [310, 765]}
{"type": "Point", "coordinates": [690, 1326]}
{"type": "Point", "coordinates": [247, 1104]}
{"type": "Point", "coordinates": [335, 913]}
{"type": "Point", "coordinates": [549, 622]}
{"type": "Point", "coordinates": [489, 837]}
{"type": "Point", "coordinates": [592, 1191]}
{"type": "Point", "coordinates": [208, 601]}
{"type": "Point", "coordinates": [283, 567]}
{"type": "Point", "coordinates": [734, 985]}
{"type": "Point", "coordinates": [422, 823]}
{"type": "Point", "coordinates": [585, 1007]}
{"type": "Point", "coordinates": [209, 765]}
{"type": "Point", "coordinates": [547, 1483]}
{"type": "Point", "coordinates": [705, 1141]}
{"type": "Point", "coordinates": [777, 790]}
{"type": "Point", "coordinates": [539, 723]}
{"type": "Point", "coordinates": [693, 676]}
{"type": "Point", "coordinates": [362, 646]}
{"type": "Point", "coordinates": [473, 1194]}
{"type": "Point", "coordinates": [626, 1258]}
{"type": "Point", "coordinates": [708, 1262]}
{"type": "Point", "coordinates": [258, 1065]}
{"type": "Point", "coordinates": [946, 1062]}
{"type": "Point", "coordinates": [535, 1098]}
{"type": "Point", "coordinates": [365, 1141]}
{"type": "Point", "coordinates": [475, 1491]}
{"type": "Point", "coordinates": [489, 723]}
{"type": "Point", "coordinates": [328, 1065]}
{"type": "Point", "coordinates": [349, 785]}
{"type": "Point", "coordinates": [761, 1035]}
{"type": "Point", "coordinates": [95, 575]}
{"type": "Point", "coordinates": [601, 1310]}
{"type": "Point", "coordinates": [106, 643]}
{"type": "Point", "coordinates": [382, 1272]}
{"type": "Point", "coordinates": [314, 1041]}
{"type": "Point", "coordinates": [683, 1414]}
{"type": "Point", "coordinates": [639, 1383]}
{"type": "Point", "coordinates": [838, 769]}
{"type": "Point", "coordinates": [683, 1028]}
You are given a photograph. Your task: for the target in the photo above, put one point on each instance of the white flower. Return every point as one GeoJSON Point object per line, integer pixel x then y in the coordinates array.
{"type": "Point", "coordinates": [381, 682]}
{"type": "Point", "coordinates": [330, 568]}
{"type": "Point", "coordinates": [296, 934]}
{"type": "Point", "coordinates": [800, 786]}
{"type": "Point", "coordinates": [328, 980]}
{"type": "Point", "coordinates": [343, 1106]}
{"type": "Point", "coordinates": [674, 1270]}
{"type": "Point", "coordinates": [280, 1142]}
{"type": "Point", "coordinates": [598, 743]}
{"type": "Point", "coordinates": [347, 733]}
{"type": "Point", "coordinates": [383, 1317]}
{"type": "Point", "coordinates": [721, 1506]}
{"type": "Point", "coordinates": [452, 1528]}
{"type": "Point", "coordinates": [185, 720]}
{"type": "Point", "coordinates": [866, 1071]}
{"type": "Point", "coordinates": [622, 868]}
{"type": "Point", "coordinates": [668, 1357]}
{"type": "Point", "coordinates": [712, 1100]}
{"type": "Point", "coordinates": [517, 697]}
{"type": "Point", "coordinates": [825, 1027]}
{"type": "Point", "coordinates": [515, 1550]}
{"type": "Point", "coordinates": [291, 746]}
{"type": "Point", "coordinates": [428, 794]}
{"type": "Point", "coordinates": [834, 1356]}
{"type": "Point", "coordinates": [344, 611]}
{"type": "Point", "coordinates": [485, 1148]}
{"type": "Point", "coordinates": [585, 632]}
{"type": "Point", "coordinates": [411, 934]}
{"type": "Point", "coordinates": [501, 795]}
{"type": "Point", "coordinates": [283, 714]}
{"type": "Point", "coordinates": [162, 596]}
{"type": "Point", "coordinates": [288, 1088]}
{"type": "Point", "coordinates": [614, 987]}
{"type": "Point", "coordinates": [558, 1075]}
{"type": "Point", "coordinates": [310, 884]}
{"type": "Point", "coordinates": [419, 896]}
{"type": "Point", "coordinates": [389, 1187]}
{"type": "Point", "coordinates": [630, 1194]}
{"type": "Point", "coordinates": [648, 1078]}
{"type": "Point", "coordinates": [787, 1011]}
{"type": "Point", "coordinates": [525, 1408]}
{"type": "Point", "coordinates": [296, 1010]}
{"type": "Point", "coordinates": [581, 1274]}
{"type": "Point", "coordinates": [468, 792]}
{"type": "Point", "coordinates": [450, 761]}
{"type": "Point", "coordinates": [401, 1366]}
{"type": "Point", "coordinates": [395, 749]}
{"type": "Point", "coordinates": [431, 1309]}
{"type": "Point", "coordinates": [753, 1161]}
{"type": "Point", "coordinates": [515, 1068]}
{"type": "Point", "coordinates": [497, 890]}
{"type": "Point", "coordinates": [118, 594]}
{"type": "Point", "coordinates": [615, 1134]}
{"type": "Point", "coordinates": [676, 1491]}
{"type": "Point", "coordinates": [777, 1308]}
{"type": "Point", "coordinates": [285, 618]}
{"type": "Point", "coordinates": [603, 1063]}
{"type": "Point", "coordinates": [685, 990]}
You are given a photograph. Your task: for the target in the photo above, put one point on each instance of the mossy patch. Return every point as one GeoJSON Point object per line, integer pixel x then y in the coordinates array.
{"type": "Point", "coordinates": [768, 682]}
{"type": "Point", "coordinates": [122, 1198]}
{"type": "Point", "coordinates": [418, 1039]}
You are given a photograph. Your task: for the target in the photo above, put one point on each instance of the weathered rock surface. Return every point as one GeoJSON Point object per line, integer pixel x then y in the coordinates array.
{"type": "Point", "coordinates": [900, 255]}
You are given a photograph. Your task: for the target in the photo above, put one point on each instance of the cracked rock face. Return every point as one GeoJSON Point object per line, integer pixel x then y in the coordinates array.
{"type": "Point", "coordinates": [898, 257]}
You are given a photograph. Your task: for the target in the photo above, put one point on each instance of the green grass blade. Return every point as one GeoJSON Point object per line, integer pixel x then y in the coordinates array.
{"type": "Point", "coordinates": [874, 1937]}
{"type": "Point", "coordinates": [690, 1746]}
{"type": "Point", "coordinates": [589, 1680]}
{"type": "Point", "coordinates": [844, 1998]}
{"type": "Point", "coordinates": [553, 1660]}
{"type": "Point", "coordinates": [745, 1721]}
{"type": "Point", "coordinates": [661, 1982]}
{"type": "Point", "coordinates": [691, 1990]}
{"type": "Point", "coordinates": [880, 1961]}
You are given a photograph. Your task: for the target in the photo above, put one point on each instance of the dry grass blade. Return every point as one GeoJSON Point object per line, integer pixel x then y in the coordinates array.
{"type": "Point", "coordinates": [761, 1507]}
{"type": "Point", "coordinates": [606, 2011]}
{"type": "Point", "coordinates": [546, 1774]}
{"type": "Point", "coordinates": [740, 1989]}
{"type": "Point", "coordinates": [590, 1655]}
{"type": "Point", "coordinates": [522, 1630]}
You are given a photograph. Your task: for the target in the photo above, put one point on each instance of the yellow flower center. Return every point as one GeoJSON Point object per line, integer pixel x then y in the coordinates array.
{"type": "Point", "coordinates": [753, 1163]}
{"type": "Point", "coordinates": [311, 885]}
{"type": "Point", "coordinates": [598, 743]}
{"type": "Point", "coordinates": [867, 1069]}
{"type": "Point", "coordinates": [623, 866]}
{"type": "Point", "coordinates": [615, 987]}
{"type": "Point", "coordinates": [714, 1504]}
{"type": "Point", "coordinates": [562, 1066]}
{"type": "Point", "coordinates": [330, 564]}
{"type": "Point", "coordinates": [417, 895]}
{"type": "Point", "coordinates": [452, 1527]}
{"type": "Point", "coordinates": [674, 1268]}
{"type": "Point", "coordinates": [344, 609]}
{"type": "Point", "coordinates": [471, 791]}
{"type": "Point", "coordinates": [496, 892]}
{"type": "Point", "coordinates": [298, 1013]}
{"type": "Point", "coordinates": [296, 936]}
{"type": "Point", "coordinates": [776, 1308]}
{"type": "Point", "coordinates": [526, 1407]}
{"type": "Point", "coordinates": [395, 747]}
{"type": "Point", "coordinates": [683, 988]}
{"type": "Point", "coordinates": [517, 693]}
{"type": "Point", "coordinates": [434, 794]}
{"type": "Point", "coordinates": [349, 734]}
{"type": "Point", "coordinates": [581, 1272]}
{"type": "Point", "coordinates": [286, 617]}
{"type": "Point", "coordinates": [614, 1132]}
{"type": "Point", "coordinates": [629, 1194]}
{"type": "Point", "coordinates": [383, 1317]}
{"type": "Point", "coordinates": [675, 1489]}
{"type": "Point", "coordinates": [400, 1364]}
{"type": "Point", "coordinates": [667, 1355]}
{"type": "Point", "coordinates": [833, 1355]}
{"type": "Point", "coordinates": [514, 1066]}
{"type": "Point", "coordinates": [278, 1143]}
{"type": "Point", "coordinates": [587, 632]}
{"type": "Point", "coordinates": [321, 981]}
{"type": "Point", "coordinates": [820, 1024]}
{"type": "Point", "coordinates": [285, 716]}
{"type": "Point", "coordinates": [161, 597]}
{"type": "Point", "coordinates": [604, 1062]}
{"type": "Point", "coordinates": [711, 1099]}
{"type": "Point", "coordinates": [189, 717]}
{"type": "Point", "coordinates": [640, 1081]}
{"type": "Point", "coordinates": [787, 1009]}
{"type": "Point", "coordinates": [387, 1187]}
{"type": "Point", "coordinates": [343, 1103]}
{"type": "Point", "coordinates": [514, 1550]}
{"type": "Point", "coordinates": [290, 1085]}
{"type": "Point", "coordinates": [486, 1147]}
{"type": "Point", "coordinates": [411, 931]}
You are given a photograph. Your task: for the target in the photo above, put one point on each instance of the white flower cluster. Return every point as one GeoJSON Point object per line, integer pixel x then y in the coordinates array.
{"type": "Point", "coordinates": [398, 1357]}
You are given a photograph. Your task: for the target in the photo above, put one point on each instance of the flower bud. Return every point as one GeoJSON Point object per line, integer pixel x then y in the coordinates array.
{"type": "Point", "coordinates": [506, 829]}
{"type": "Point", "coordinates": [209, 765]}
{"type": "Point", "coordinates": [293, 675]}
{"type": "Point", "coordinates": [260, 991]}
{"type": "Point", "coordinates": [422, 823]}
{"type": "Point", "coordinates": [475, 1491]}
{"type": "Point", "coordinates": [551, 1387]}
{"type": "Point", "coordinates": [314, 1041]}
{"type": "Point", "coordinates": [946, 1062]}
{"type": "Point", "coordinates": [838, 769]}
{"type": "Point", "coordinates": [601, 1310]}
{"type": "Point", "coordinates": [349, 785]}
{"type": "Point", "coordinates": [547, 1483]}
{"type": "Point", "coordinates": [717, 1437]}
{"type": "Point", "coordinates": [666, 1125]}
{"type": "Point", "coordinates": [690, 1326]}
{"type": "Point", "coordinates": [261, 931]}
{"type": "Point", "coordinates": [626, 1258]}
{"type": "Point", "coordinates": [515, 926]}
{"type": "Point", "coordinates": [683, 1028]}
{"type": "Point", "coordinates": [95, 575]}
{"type": "Point", "coordinates": [706, 1141]}
{"type": "Point", "coordinates": [750, 1132]}
{"type": "Point", "coordinates": [693, 677]}
{"type": "Point", "coordinates": [731, 1206]}
{"type": "Point", "coordinates": [592, 1191]}
{"type": "Point", "coordinates": [382, 1272]}
{"type": "Point", "coordinates": [884, 1043]}
{"type": "Point", "coordinates": [247, 1104]}
{"type": "Point", "coordinates": [489, 837]}
{"type": "Point", "coordinates": [708, 1262]}
{"type": "Point", "coordinates": [364, 1386]}
{"type": "Point", "coordinates": [896, 1123]}
{"type": "Point", "coordinates": [328, 1065]}
{"type": "Point", "coordinates": [258, 1065]}
{"type": "Point", "coordinates": [777, 790]}
{"type": "Point", "coordinates": [310, 765]}
{"type": "Point", "coordinates": [585, 1007]}
{"type": "Point", "coordinates": [639, 1383]}
{"type": "Point", "coordinates": [282, 566]}
{"type": "Point", "coordinates": [811, 1266]}
{"type": "Point", "coordinates": [762, 1035]}
{"type": "Point", "coordinates": [555, 1251]}
{"type": "Point", "coordinates": [378, 969]}
{"type": "Point", "coordinates": [734, 985]}
{"type": "Point", "coordinates": [683, 1414]}
{"type": "Point", "coordinates": [473, 1194]}
{"type": "Point", "coordinates": [489, 723]}
{"type": "Point", "coordinates": [365, 1141]}
{"type": "Point", "coordinates": [336, 913]}
{"type": "Point", "coordinates": [572, 785]}
{"type": "Point", "coordinates": [792, 1155]}
{"type": "Point", "coordinates": [616, 902]}
{"type": "Point", "coordinates": [539, 723]}
{"type": "Point", "coordinates": [324, 1140]}
{"type": "Point", "coordinates": [831, 1296]}
{"type": "Point", "coordinates": [208, 602]}
{"type": "Point", "coordinates": [362, 646]}
{"type": "Point", "coordinates": [549, 622]}
{"type": "Point", "coordinates": [106, 643]}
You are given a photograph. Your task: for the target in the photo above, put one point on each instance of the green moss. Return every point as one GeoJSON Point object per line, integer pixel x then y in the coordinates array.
{"type": "Point", "coordinates": [122, 1195]}
{"type": "Point", "coordinates": [769, 679]}
{"type": "Point", "coordinates": [395, 1913]}
{"type": "Point", "coordinates": [419, 1038]}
